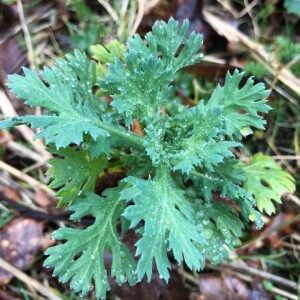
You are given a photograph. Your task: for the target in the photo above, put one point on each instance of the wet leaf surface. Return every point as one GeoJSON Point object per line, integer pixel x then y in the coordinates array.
{"type": "Point", "coordinates": [157, 289]}
{"type": "Point", "coordinates": [22, 240]}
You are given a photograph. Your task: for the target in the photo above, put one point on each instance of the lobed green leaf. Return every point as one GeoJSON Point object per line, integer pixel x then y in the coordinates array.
{"type": "Point", "coordinates": [267, 182]}
{"type": "Point", "coordinates": [240, 105]}
{"type": "Point", "coordinates": [81, 258]}
{"type": "Point", "coordinates": [168, 219]}
{"type": "Point", "coordinates": [142, 85]}
{"type": "Point", "coordinates": [65, 91]}
{"type": "Point", "coordinates": [73, 172]}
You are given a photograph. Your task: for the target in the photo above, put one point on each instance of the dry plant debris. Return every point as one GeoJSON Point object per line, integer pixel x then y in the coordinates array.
{"type": "Point", "coordinates": [276, 249]}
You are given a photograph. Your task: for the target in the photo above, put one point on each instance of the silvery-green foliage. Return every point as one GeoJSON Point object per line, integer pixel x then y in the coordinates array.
{"type": "Point", "coordinates": [183, 157]}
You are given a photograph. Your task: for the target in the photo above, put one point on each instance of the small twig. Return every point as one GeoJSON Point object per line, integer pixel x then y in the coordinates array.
{"type": "Point", "coordinates": [267, 233]}
{"type": "Point", "coordinates": [234, 12]}
{"type": "Point", "coordinates": [295, 237]}
{"type": "Point", "coordinates": [8, 110]}
{"type": "Point", "coordinates": [33, 167]}
{"type": "Point", "coordinates": [188, 276]}
{"type": "Point", "coordinates": [291, 197]}
{"type": "Point", "coordinates": [293, 61]}
{"type": "Point", "coordinates": [258, 52]}
{"type": "Point", "coordinates": [291, 246]}
{"type": "Point", "coordinates": [55, 43]}
{"type": "Point", "coordinates": [123, 18]}
{"type": "Point", "coordinates": [31, 283]}
{"type": "Point", "coordinates": [249, 11]}
{"type": "Point", "coordinates": [213, 59]}
{"type": "Point", "coordinates": [283, 92]}
{"type": "Point", "coordinates": [46, 12]}
{"type": "Point", "coordinates": [8, 181]}
{"type": "Point", "coordinates": [273, 147]}
{"type": "Point", "coordinates": [262, 274]}
{"type": "Point", "coordinates": [139, 16]}
{"type": "Point", "coordinates": [27, 37]}
{"type": "Point", "coordinates": [231, 9]}
{"type": "Point", "coordinates": [150, 4]}
{"type": "Point", "coordinates": [124, 8]}
{"type": "Point", "coordinates": [275, 290]}
{"type": "Point", "coordinates": [25, 177]}
{"type": "Point", "coordinates": [285, 294]}
{"type": "Point", "coordinates": [22, 151]}
{"type": "Point", "coordinates": [110, 10]}
{"type": "Point", "coordinates": [144, 7]}
{"type": "Point", "coordinates": [287, 157]}
{"type": "Point", "coordinates": [29, 212]}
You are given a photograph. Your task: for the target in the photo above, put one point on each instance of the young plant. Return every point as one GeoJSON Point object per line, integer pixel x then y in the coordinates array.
{"type": "Point", "coordinates": [182, 156]}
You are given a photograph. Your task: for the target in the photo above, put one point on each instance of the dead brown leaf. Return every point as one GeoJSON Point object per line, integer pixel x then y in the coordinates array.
{"type": "Point", "coordinates": [12, 58]}
{"type": "Point", "coordinates": [227, 287]}
{"type": "Point", "coordinates": [20, 241]}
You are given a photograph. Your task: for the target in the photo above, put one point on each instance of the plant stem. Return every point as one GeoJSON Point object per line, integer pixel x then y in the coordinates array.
{"type": "Point", "coordinates": [127, 138]}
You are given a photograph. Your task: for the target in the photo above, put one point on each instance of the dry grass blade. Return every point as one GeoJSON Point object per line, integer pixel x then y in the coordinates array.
{"type": "Point", "coordinates": [248, 7]}
{"type": "Point", "coordinates": [31, 57]}
{"type": "Point", "coordinates": [23, 151]}
{"type": "Point", "coordinates": [139, 16]}
{"type": "Point", "coordinates": [22, 176]}
{"type": "Point", "coordinates": [110, 10]}
{"type": "Point", "coordinates": [8, 110]}
{"type": "Point", "coordinates": [275, 290]}
{"type": "Point", "coordinates": [237, 15]}
{"type": "Point", "coordinates": [257, 51]}
{"type": "Point", "coordinates": [262, 274]}
{"type": "Point", "coordinates": [274, 229]}
{"type": "Point", "coordinates": [28, 280]}
{"type": "Point", "coordinates": [144, 7]}
{"type": "Point", "coordinates": [45, 12]}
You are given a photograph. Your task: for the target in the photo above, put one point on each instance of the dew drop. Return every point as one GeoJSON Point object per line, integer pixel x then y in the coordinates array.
{"type": "Point", "coordinates": [205, 222]}
{"type": "Point", "coordinates": [200, 213]}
